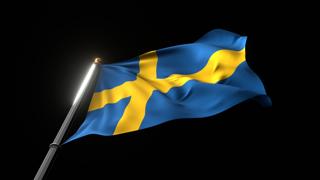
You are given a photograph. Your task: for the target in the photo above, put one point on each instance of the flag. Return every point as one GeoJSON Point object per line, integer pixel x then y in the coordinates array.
{"type": "Point", "coordinates": [193, 80]}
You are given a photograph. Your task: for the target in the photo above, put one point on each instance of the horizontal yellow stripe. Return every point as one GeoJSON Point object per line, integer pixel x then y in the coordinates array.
{"type": "Point", "coordinates": [221, 65]}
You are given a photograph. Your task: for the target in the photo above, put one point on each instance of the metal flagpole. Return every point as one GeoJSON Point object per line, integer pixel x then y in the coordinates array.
{"type": "Point", "coordinates": [57, 141]}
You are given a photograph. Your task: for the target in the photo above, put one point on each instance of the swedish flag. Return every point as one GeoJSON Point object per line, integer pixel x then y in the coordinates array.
{"type": "Point", "coordinates": [186, 81]}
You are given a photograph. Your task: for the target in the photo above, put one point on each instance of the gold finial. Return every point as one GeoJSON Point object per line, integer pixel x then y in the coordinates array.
{"type": "Point", "coordinates": [97, 60]}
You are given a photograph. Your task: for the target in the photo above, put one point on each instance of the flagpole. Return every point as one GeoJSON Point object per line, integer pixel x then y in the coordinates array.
{"type": "Point", "coordinates": [53, 147]}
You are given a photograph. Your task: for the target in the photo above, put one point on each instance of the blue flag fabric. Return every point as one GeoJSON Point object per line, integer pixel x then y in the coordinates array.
{"type": "Point", "coordinates": [186, 81]}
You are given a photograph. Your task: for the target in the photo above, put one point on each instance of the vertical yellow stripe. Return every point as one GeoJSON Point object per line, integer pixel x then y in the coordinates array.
{"type": "Point", "coordinates": [140, 94]}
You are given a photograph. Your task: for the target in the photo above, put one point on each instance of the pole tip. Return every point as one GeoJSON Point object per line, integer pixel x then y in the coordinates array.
{"type": "Point", "coordinates": [97, 60]}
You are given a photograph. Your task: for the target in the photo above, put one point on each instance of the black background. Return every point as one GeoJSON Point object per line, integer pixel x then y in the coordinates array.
{"type": "Point", "coordinates": [57, 45]}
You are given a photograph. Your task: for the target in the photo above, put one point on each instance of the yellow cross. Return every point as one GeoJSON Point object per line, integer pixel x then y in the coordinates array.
{"type": "Point", "coordinates": [221, 65]}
